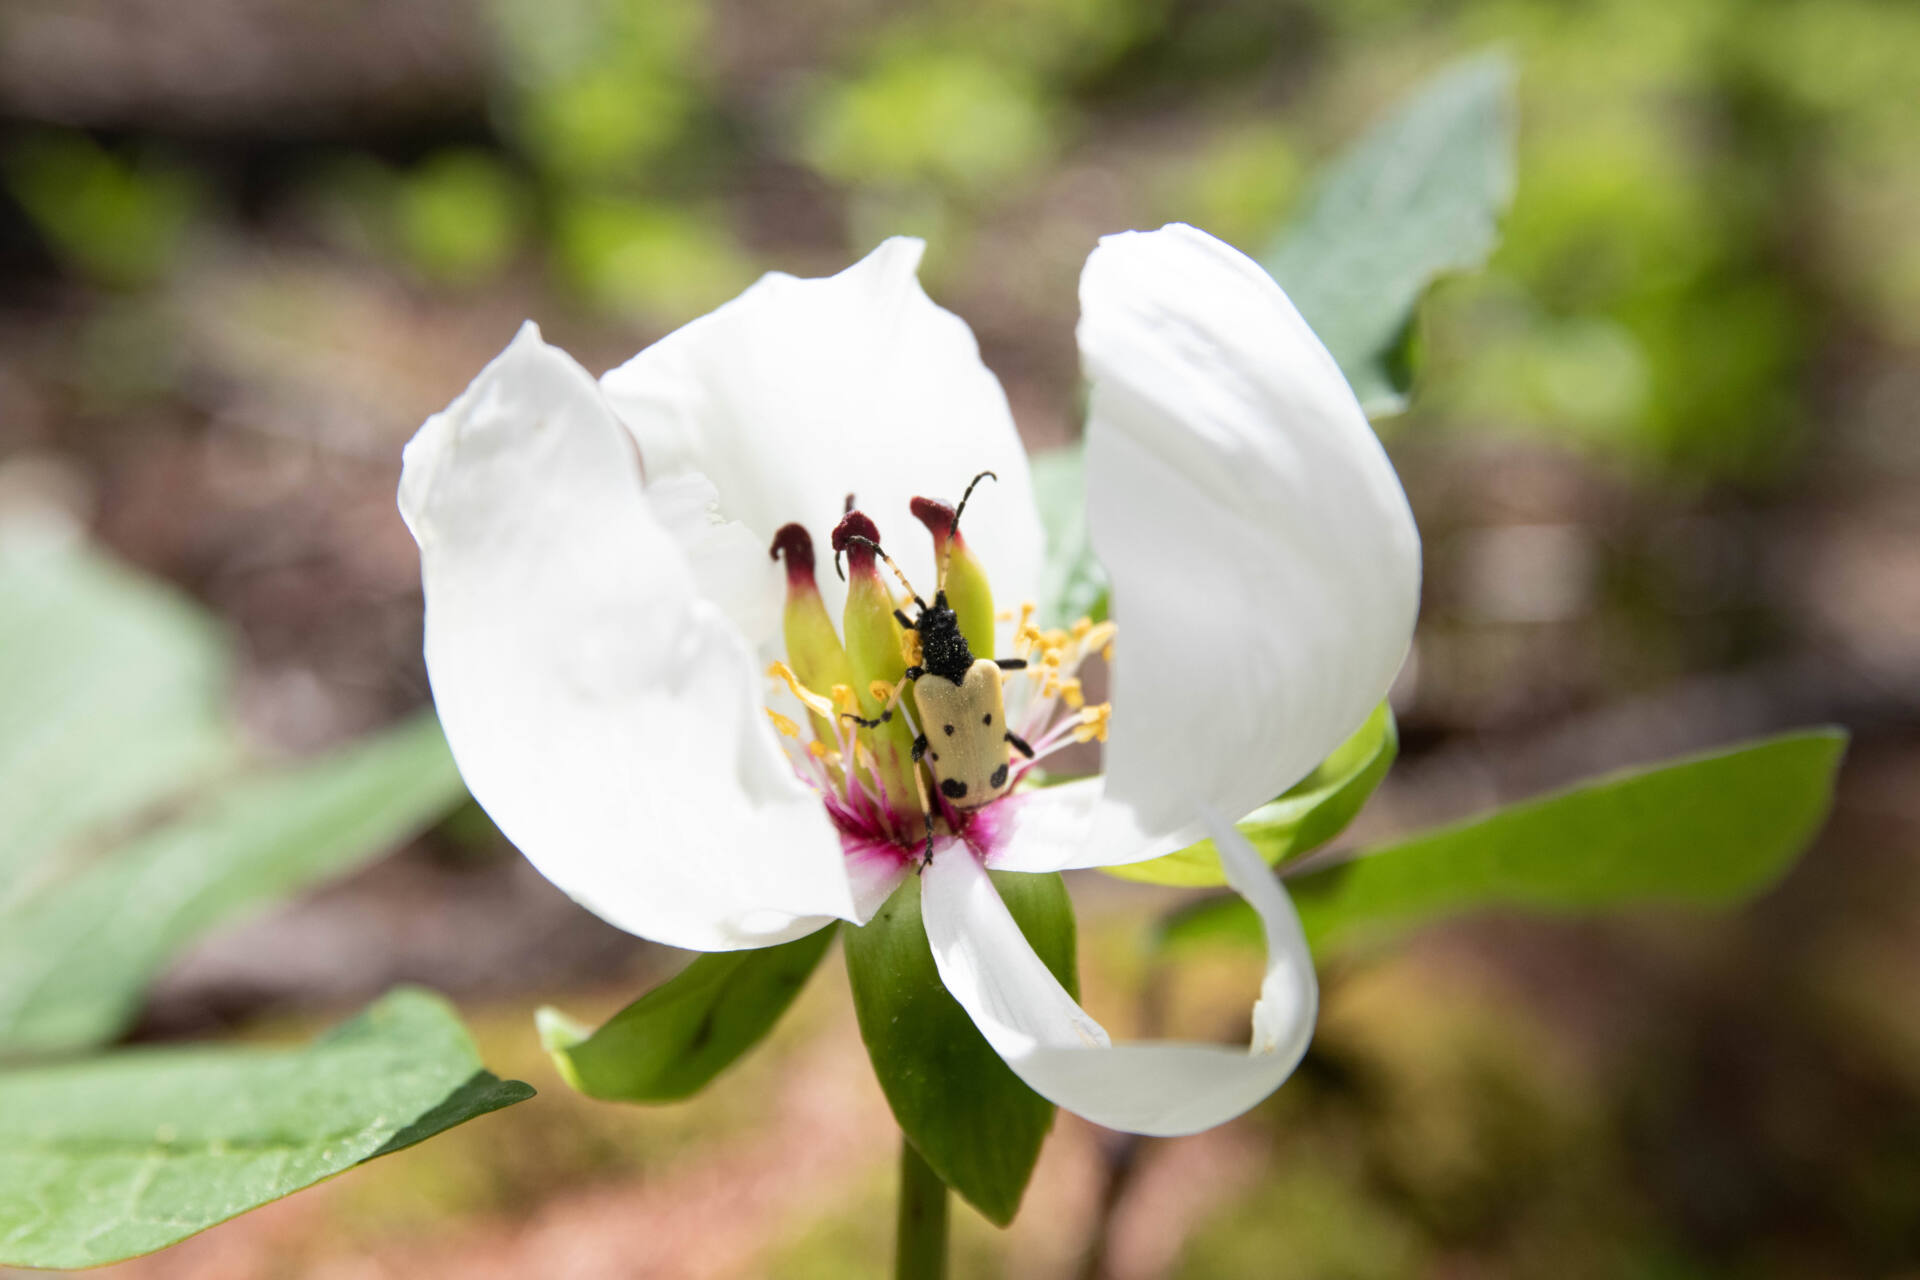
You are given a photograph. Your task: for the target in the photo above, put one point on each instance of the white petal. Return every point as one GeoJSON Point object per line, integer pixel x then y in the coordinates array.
{"type": "Point", "coordinates": [1163, 1088]}
{"type": "Point", "coordinates": [729, 561]}
{"type": "Point", "coordinates": [603, 711]}
{"type": "Point", "coordinates": [1265, 565]}
{"type": "Point", "coordinates": [800, 392]}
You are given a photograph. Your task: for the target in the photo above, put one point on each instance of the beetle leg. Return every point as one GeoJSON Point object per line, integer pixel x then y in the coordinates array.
{"type": "Point", "coordinates": [868, 724]}
{"type": "Point", "coordinates": [1011, 664]}
{"type": "Point", "coordinates": [914, 673]}
{"type": "Point", "coordinates": [901, 617]}
{"type": "Point", "coordinates": [919, 747]}
{"type": "Point", "coordinates": [1020, 744]}
{"type": "Point", "coordinates": [927, 857]}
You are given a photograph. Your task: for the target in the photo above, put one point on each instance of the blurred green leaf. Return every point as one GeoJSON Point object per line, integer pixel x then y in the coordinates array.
{"type": "Point", "coordinates": [965, 1111]}
{"type": "Point", "coordinates": [129, 1153]}
{"type": "Point", "coordinates": [460, 215]}
{"type": "Point", "coordinates": [599, 90]}
{"type": "Point", "coordinates": [628, 255]}
{"type": "Point", "coordinates": [112, 698]}
{"type": "Point", "coordinates": [1709, 830]}
{"type": "Point", "coordinates": [128, 825]}
{"type": "Point", "coordinates": [1072, 583]}
{"type": "Point", "coordinates": [117, 222]}
{"type": "Point", "coordinates": [76, 953]}
{"type": "Point", "coordinates": [672, 1041]}
{"type": "Point", "coordinates": [1312, 812]}
{"type": "Point", "coordinates": [945, 117]}
{"type": "Point", "coordinates": [1419, 196]}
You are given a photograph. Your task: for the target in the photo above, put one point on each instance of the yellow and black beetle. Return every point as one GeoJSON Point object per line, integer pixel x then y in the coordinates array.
{"type": "Point", "coordinates": [963, 735]}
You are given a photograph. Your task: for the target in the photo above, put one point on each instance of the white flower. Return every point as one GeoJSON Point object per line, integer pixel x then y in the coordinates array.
{"type": "Point", "coordinates": [600, 618]}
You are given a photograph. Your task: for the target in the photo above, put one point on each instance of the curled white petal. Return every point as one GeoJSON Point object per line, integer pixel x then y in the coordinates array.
{"type": "Point", "coordinates": [1161, 1088]}
{"type": "Point", "coordinates": [1264, 562]}
{"type": "Point", "coordinates": [800, 392]}
{"type": "Point", "coordinates": [603, 710]}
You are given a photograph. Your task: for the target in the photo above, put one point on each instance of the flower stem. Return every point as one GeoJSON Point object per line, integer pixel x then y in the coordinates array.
{"type": "Point", "coordinates": [920, 1250]}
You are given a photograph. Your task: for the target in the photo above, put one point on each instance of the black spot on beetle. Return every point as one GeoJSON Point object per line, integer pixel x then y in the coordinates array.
{"type": "Point", "coordinates": [999, 778]}
{"type": "Point", "coordinates": [933, 755]}
{"type": "Point", "coordinates": [948, 728]}
{"type": "Point", "coordinates": [953, 788]}
{"type": "Point", "coordinates": [987, 718]}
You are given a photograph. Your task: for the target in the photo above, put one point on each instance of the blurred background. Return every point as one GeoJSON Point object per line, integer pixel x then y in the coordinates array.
{"type": "Point", "coordinates": [1663, 452]}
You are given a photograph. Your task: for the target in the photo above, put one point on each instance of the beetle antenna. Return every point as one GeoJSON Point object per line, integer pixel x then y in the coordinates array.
{"type": "Point", "coordinates": [954, 530]}
{"type": "Point", "coordinates": [865, 541]}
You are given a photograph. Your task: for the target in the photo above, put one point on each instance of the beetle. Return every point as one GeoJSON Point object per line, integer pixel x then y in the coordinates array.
{"type": "Point", "coordinates": [963, 735]}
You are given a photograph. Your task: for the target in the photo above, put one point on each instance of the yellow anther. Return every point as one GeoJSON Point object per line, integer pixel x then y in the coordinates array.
{"type": "Point", "coordinates": [1081, 627]}
{"type": "Point", "coordinates": [813, 701]}
{"type": "Point", "coordinates": [820, 751]}
{"type": "Point", "coordinates": [1070, 690]}
{"type": "Point", "coordinates": [1100, 636]}
{"type": "Point", "coordinates": [910, 647]}
{"type": "Point", "coordinates": [881, 691]}
{"type": "Point", "coordinates": [1005, 615]}
{"type": "Point", "coordinates": [1093, 723]}
{"type": "Point", "coordinates": [1054, 638]}
{"type": "Point", "coordinates": [784, 725]}
{"type": "Point", "coordinates": [843, 699]}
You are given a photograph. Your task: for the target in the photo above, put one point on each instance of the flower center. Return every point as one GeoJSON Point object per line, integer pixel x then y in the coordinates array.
{"type": "Point", "coordinates": [912, 725]}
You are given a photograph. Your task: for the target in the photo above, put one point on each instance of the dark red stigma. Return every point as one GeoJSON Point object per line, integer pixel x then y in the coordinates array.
{"type": "Point", "coordinates": [857, 536]}
{"type": "Point", "coordinates": [796, 545]}
{"type": "Point", "coordinates": [936, 515]}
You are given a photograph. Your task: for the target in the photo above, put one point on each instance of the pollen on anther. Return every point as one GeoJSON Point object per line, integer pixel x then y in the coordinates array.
{"type": "Point", "coordinates": [813, 701]}
{"type": "Point", "coordinates": [880, 691]}
{"type": "Point", "coordinates": [1094, 722]}
{"type": "Point", "coordinates": [784, 725]}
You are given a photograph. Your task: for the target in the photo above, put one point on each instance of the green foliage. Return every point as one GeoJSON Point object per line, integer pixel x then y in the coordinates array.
{"type": "Point", "coordinates": [115, 221]}
{"type": "Point", "coordinates": [1072, 583]}
{"type": "Point", "coordinates": [92, 925]}
{"type": "Point", "coordinates": [460, 215]}
{"type": "Point", "coordinates": [126, 1154]}
{"type": "Point", "coordinates": [965, 1111]}
{"type": "Point", "coordinates": [954, 120]}
{"type": "Point", "coordinates": [1419, 196]}
{"type": "Point", "coordinates": [600, 89]}
{"type": "Point", "coordinates": [1708, 830]}
{"type": "Point", "coordinates": [670, 1043]}
{"type": "Point", "coordinates": [1312, 812]}
{"type": "Point", "coordinates": [132, 823]}
{"type": "Point", "coordinates": [630, 255]}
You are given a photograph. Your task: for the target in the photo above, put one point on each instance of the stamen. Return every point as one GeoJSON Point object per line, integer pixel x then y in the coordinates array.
{"type": "Point", "coordinates": [844, 700]}
{"type": "Point", "coordinates": [813, 701]}
{"type": "Point", "coordinates": [1099, 636]}
{"type": "Point", "coordinates": [1094, 722]}
{"type": "Point", "coordinates": [882, 692]}
{"type": "Point", "coordinates": [784, 725]}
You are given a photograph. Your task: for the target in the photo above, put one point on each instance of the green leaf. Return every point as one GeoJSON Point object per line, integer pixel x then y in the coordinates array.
{"type": "Point", "coordinates": [1708, 830]}
{"type": "Point", "coordinates": [1419, 196]}
{"type": "Point", "coordinates": [1312, 812]}
{"type": "Point", "coordinates": [672, 1041]}
{"type": "Point", "coordinates": [78, 947]}
{"type": "Point", "coordinates": [1072, 583]}
{"type": "Point", "coordinates": [132, 1152]}
{"type": "Point", "coordinates": [964, 1110]}
{"type": "Point", "coordinates": [112, 698]}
